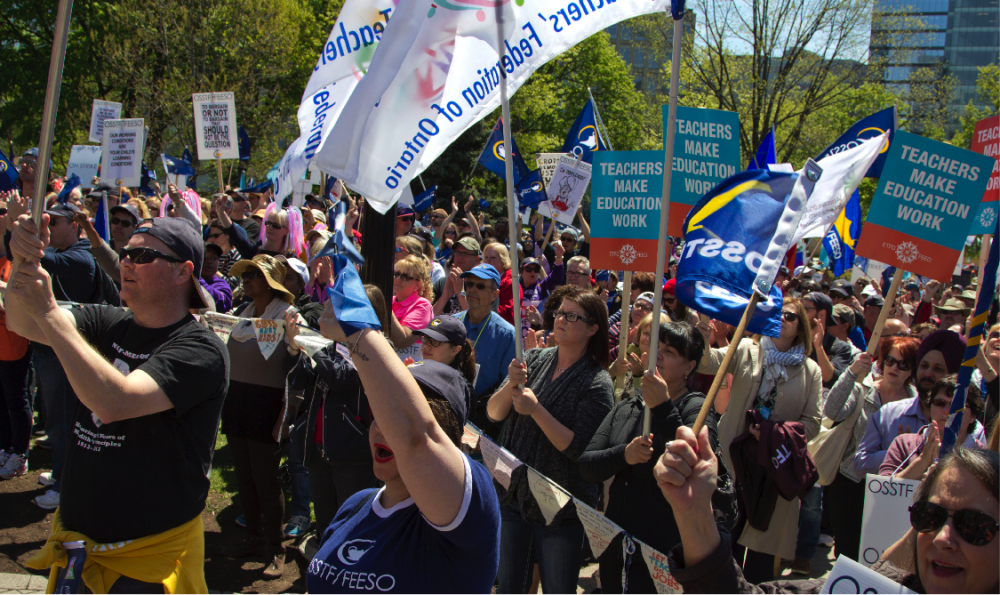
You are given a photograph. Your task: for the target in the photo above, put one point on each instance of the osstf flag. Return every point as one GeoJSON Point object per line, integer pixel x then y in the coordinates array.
{"type": "Point", "coordinates": [839, 243]}
{"type": "Point", "coordinates": [494, 153]}
{"type": "Point", "coordinates": [8, 174]}
{"type": "Point", "coordinates": [583, 139]}
{"type": "Point", "coordinates": [766, 153]}
{"type": "Point", "coordinates": [531, 190]}
{"type": "Point", "coordinates": [867, 128]}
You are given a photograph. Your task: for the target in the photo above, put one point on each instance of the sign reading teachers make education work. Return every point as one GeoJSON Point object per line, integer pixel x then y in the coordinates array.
{"type": "Point", "coordinates": [706, 152]}
{"type": "Point", "coordinates": [924, 205]}
{"type": "Point", "coordinates": [215, 125]}
{"type": "Point", "coordinates": [986, 140]}
{"type": "Point", "coordinates": [121, 152]}
{"type": "Point", "coordinates": [84, 161]}
{"type": "Point", "coordinates": [625, 210]}
{"type": "Point", "coordinates": [102, 110]}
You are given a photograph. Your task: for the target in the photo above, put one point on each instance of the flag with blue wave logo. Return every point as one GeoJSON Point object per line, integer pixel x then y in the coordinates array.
{"type": "Point", "coordinates": [839, 242]}
{"type": "Point", "coordinates": [583, 139]}
{"type": "Point", "coordinates": [243, 139]}
{"type": "Point", "coordinates": [867, 128]}
{"type": "Point", "coordinates": [766, 153]}
{"type": "Point", "coordinates": [177, 166]}
{"type": "Point", "coordinates": [8, 174]}
{"type": "Point", "coordinates": [729, 236]}
{"type": "Point", "coordinates": [493, 155]}
{"type": "Point", "coordinates": [531, 190]}
{"type": "Point", "coordinates": [424, 200]}
{"type": "Point", "coordinates": [71, 182]}
{"type": "Point", "coordinates": [101, 224]}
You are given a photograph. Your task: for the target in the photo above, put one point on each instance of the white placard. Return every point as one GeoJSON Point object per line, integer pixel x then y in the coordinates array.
{"type": "Point", "coordinates": [549, 496]}
{"type": "Point", "coordinates": [886, 518]}
{"type": "Point", "coordinates": [599, 530]}
{"type": "Point", "coordinates": [215, 125]}
{"type": "Point", "coordinates": [121, 152]}
{"type": "Point", "coordinates": [102, 110]}
{"type": "Point", "coordinates": [84, 161]}
{"type": "Point", "coordinates": [413, 351]}
{"type": "Point", "coordinates": [547, 163]}
{"type": "Point", "coordinates": [566, 189]}
{"type": "Point", "coordinates": [848, 576]}
{"type": "Point", "coordinates": [269, 334]}
{"type": "Point", "coordinates": [659, 570]}
{"type": "Point", "coordinates": [220, 324]}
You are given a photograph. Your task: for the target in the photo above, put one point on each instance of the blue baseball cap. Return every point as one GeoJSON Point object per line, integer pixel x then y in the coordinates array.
{"type": "Point", "coordinates": [603, 275]}
{"type": "Point", "coordinates": [484, 271]}
{"type": "Point", "coordinates": [403, 211]}
{"type": "Point", "coordinates": [444, 382]}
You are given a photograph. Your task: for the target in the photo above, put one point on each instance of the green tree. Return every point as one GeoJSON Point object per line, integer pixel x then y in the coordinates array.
{"type": "Point", "coordinates": [988, 89]}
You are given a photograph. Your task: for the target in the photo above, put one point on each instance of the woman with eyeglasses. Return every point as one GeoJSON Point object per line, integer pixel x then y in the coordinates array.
{"type": "Point", "coordinates": [253, 412]}
{"type": "Point", "coordinates": [678, 310]}
{"type": "Point", "coordinates": [775, 377]}
{"type": "Point", "coordinates": [551, 405]}
{"type": "Point", "coordinates": [411, 307]}
{"type": "Point", "coordinates": [445, 341]}
{"type": "Point", "coordinates": [953, 522]}
{"type": "Point", "coordinates": [911, 455]}
{"type": "Point", "coordinates": [897, 358]}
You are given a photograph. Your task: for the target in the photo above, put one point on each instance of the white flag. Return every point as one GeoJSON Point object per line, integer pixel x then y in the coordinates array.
{"type": "Point", "coordinates": [599, 530]}
{"type": "Point", "coordinates": [439, 73]}
{"type": "Point", "coordinates": [842, 172]}
{"type": "Point", "coordinates": [342, 63]}
{"type": "Point", "coordinates": [550, 497]}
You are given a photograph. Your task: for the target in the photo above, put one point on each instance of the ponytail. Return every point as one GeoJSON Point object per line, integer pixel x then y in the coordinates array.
{"type": "Point", "coordinates": [465, 362]}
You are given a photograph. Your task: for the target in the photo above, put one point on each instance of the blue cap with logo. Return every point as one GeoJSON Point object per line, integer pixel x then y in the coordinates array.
{"type": "Point", "coordinates": [484, 271]}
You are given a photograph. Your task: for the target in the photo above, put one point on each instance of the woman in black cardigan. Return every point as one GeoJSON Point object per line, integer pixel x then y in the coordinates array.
{"type": "Point", "coordinates": [619, 450]}
{"type": "Point", "coordinates": [551, 405]}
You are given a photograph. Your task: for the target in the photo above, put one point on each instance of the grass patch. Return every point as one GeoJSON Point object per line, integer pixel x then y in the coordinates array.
{"type": "Point", "coordinates": [223, 474]}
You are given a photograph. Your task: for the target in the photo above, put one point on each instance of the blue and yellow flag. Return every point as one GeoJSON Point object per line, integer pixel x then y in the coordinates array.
{"type": "Point", "coordinates": [839, 242]}
{"type": "Point", "coordinates": [8, 174]}
{"type": "Point", "coordinates": [583, 139]}
{"type": "Point", "coordinates": [494, 153]}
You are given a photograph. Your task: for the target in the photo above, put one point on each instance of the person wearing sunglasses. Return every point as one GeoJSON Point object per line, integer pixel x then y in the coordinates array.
{"type": "Point", "coordinates": [897, 358]}
{"type": "Point", "coordinates": [953, 545]}
{"type": "Point", "coordinates": [281, 233]}
{"type": "Point", "coordinates": [985, 375]}
{"type": "Point", "coordinates": [411, 306]}
{"type": "Point", "coordinates": [150, 382]}
{"type": "Point", "coordinates": [641, 308]}
{"type": "Point", "coordinates": [496, 255]}
{"type": "Point", "coordinates": [445, 341]}
{"type": "Point", "coordinates": [405, 217]}
{"type": "Point", "coordinates": [537, 286]}
{"type": "Point", "coordinates": [213, 282]}
{"type": "Point", "coordinates": [217, 235]}
{"type": "Point", "coordinates": [781, 383]}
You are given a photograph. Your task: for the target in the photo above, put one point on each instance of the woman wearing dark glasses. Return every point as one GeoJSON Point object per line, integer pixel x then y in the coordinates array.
{"type": "Point", "coordinates": [775, 377]}
{"type": "Point", "coordinates": [954, 519]}
{"type": "Point", "coordinates": [897, 358]}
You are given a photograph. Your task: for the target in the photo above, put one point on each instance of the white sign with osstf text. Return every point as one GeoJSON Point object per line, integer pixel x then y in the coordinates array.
{"type": "Point", "coordinates": [215, 125]}
{"type": "Point", "coordinates": [887, 516]}
{"type": "Point", "coordinates": [102, 110]}
{"type": "Point", "coordinates": [121, 152]}
{"type": "Point", "coordinates": [848, 576]}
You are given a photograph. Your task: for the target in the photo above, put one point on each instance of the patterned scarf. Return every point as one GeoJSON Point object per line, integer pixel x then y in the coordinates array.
{"type": "Point", "coordinates": [775, 362]}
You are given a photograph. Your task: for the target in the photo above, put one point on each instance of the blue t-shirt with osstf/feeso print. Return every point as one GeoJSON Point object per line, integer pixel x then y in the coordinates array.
{"type": "Point", "coordinates": [397, 550]}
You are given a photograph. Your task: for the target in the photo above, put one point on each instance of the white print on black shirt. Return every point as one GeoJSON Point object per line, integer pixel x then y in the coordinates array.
{"type": "Point", "coordinates": [126, 353]}
{"type": "Point", "coordinates": [364, 581]}
{"type": "Point", "coordinates": [95, 441]}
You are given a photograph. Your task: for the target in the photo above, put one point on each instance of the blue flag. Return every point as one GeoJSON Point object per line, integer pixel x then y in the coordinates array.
{"type": "Point", "coordinates": [424, 200]}
{"type": "Point", "coordinates": [348, 299]}
{"type": "Point", "coordinates": [720, 260]}
{"type": "Point", "coordinates": [259, 187]}
{"type": "Point", "coordinates": [493, 155]}
{"type": "Point", "coordinates": [531, 190]}
{"type": "Point", "coordinates": [178, 166]}
{"type": "Point", "coordinates": [339, 243]}
{"type": "Point", "coordinates": [243, 179]}
{"type": "Point", "coordinates": [147, 176]}
{"type": "Point", "coordinates": [677, 9]}
{"type": "Point", "coordinates": [8, 174]}
{"type": "Point", "coordinates": [243, 139]}
{"type": "Point", "coordinates": [68, 186]}
{"type": "Point", "coordinates": [101, 225]}
{"type": "Point", "coordinates": [766, 153]}
{"type": "Point", "coordinates": [870, 127]}
{"type": "Point", "coordinates": [192, 181]}
{"type": "Point", "coordinates": [839, 242]}
{"type": "Point", "coordinates": [583, 139]}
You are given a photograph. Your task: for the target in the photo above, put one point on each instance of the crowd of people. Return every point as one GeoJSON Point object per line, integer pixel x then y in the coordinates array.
{"type": "Point", "coordinates": [357, 453]}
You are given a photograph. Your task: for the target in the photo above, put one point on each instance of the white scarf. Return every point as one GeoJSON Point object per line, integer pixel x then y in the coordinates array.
{"type": "Point", "coordinates": [775, 362]}
{"type": "Point", "coordinates": [244, 330]}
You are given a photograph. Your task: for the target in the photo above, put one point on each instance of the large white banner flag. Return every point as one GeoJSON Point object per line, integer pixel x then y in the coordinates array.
{"type": "Point", "coordinates": [842, 173]}
{"type": "Point", "coordinates": [437, 72]}
{"type": "Point", "coordinates": [343, 62]}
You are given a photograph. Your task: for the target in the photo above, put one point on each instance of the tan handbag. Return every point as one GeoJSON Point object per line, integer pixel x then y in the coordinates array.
{"type": "Point", "coordinates": [828, 447]}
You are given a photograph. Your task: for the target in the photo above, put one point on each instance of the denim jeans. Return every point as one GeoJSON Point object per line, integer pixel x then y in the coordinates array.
{"type": "Point", "coordinates": [810, 518]}
{"type": "Point", "coordinates": [60, 406]}
{"type": "Point", "coordinates": [300, 476]}
{"type": "Point", "coordinates": [558, 550]}
{"type": "Point", "coordinates": [15, 408]}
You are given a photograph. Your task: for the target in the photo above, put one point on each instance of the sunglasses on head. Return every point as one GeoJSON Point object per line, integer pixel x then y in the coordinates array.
{"type": "Point", "coordinates": [273, 225]}
{"type": "Point", "coordinates": [976, 528]}
{"type": "Point", "coordinates": [402, 276]}
{"type": "Point", "coordinates": [121, 222]}
{"type": "Point", "coordinates": [891, 361]}
{"type": "Point", "coordinates": [146, 255]}
{"type": "Point", "coordinates": [790, 316]}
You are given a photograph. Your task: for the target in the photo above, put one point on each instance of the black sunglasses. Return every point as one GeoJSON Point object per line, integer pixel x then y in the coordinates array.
{"type": "Point", "coordinates": [976, 528]}
{"type": "Point", "coordinates": [408, 218]}
{"type": "Point", "coordinates": [790, 316]}
{"type": "Point", "coordinates": [402, 276]}
{"type": "Point", "coordinates": [216, 235]}
{"type": "Point", "coordinates": [251, 274]}
{"type": "Point", "coordinates": [481, 286]}
{"type": "Point", "coordinates": [272, 225]}
{"type": "Point", "coordinates": [121, 222]}
{"type": "Point", "coordinates": [891, 361]}
{"type": "Point", "coordinates": [145, 255]}
{"type": "Point", "coordinates": [532, 269]}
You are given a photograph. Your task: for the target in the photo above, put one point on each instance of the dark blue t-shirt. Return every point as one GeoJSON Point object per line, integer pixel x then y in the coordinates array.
{"type": "Point", "coordinates": [398, 550]}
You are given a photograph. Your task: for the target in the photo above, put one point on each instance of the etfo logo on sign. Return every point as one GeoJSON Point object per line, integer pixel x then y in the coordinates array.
{"type": "Point", "coordinates": [924, 205]}
{"type": "Point", "coordinates": [625, 200]}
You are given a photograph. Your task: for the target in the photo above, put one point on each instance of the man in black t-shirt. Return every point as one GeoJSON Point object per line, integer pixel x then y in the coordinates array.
{"type": "Point", "coordinates": [150, 380]}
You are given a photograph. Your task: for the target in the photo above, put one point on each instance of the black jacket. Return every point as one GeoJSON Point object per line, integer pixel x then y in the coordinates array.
{"type": "Point", "coordinates": [840, 355]}
{"type": "Point", "coordinates": [310, 310]}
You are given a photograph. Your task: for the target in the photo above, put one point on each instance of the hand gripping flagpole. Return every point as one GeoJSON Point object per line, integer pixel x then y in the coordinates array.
{"type": "Point", "coordinates": [677, 11]}
{"type": "Point", "coordinates": [50, 109]}
{"type": "Point", "coordinates": [508, 163]}
{"type": "Point", "coordinates": [987, 286]}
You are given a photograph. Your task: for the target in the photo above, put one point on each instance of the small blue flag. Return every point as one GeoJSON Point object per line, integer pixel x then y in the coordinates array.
{"type": "Point", "coordinates": [483, 204]}
{"type": "Point", "coordinates": [424, 200]}
{"type": "Point", "coordinates": [243, 139]}
{"type": "Point", "coordinates": [870, 127]}
{"type": "Point", "coordinates": [350, 303]}
{"type": "Point", "coordinates": [839, 242]}
{"type": "Point", "coordinates": [243, 179]}
{"type": "Point", "coordinates": [147, 176]}
{"type": "Point", "coordinates": [493, 155]}
{"type": "Point", "coordinates": [71, 182]}
{"type": "Point", "coordinates": [677, 9]}
{"type": "Point", "coordinates": [531, 191]}
{"type": "Point", "coordinates": [583, 139]}
{"type": "Point", "coordinates": [766, 153]}
{"type": "Point", "coordinates": [192, 181]}
{"type": "Point", "coordinates": [101, 225]}
{"type": "Point", "coordinates": [178, 166]}
{"type": "Point", "coordinates": [339, 243]}
{"type": "Point", "coordinates": [259, 187]}
{"type": "Point", "coordinates": [8, 174]}
{"type": "Point", "coordinates": [720, 261]}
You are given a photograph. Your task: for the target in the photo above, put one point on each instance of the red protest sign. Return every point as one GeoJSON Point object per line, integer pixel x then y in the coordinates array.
{"type": "Point", "coordinates": [986, 140]}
